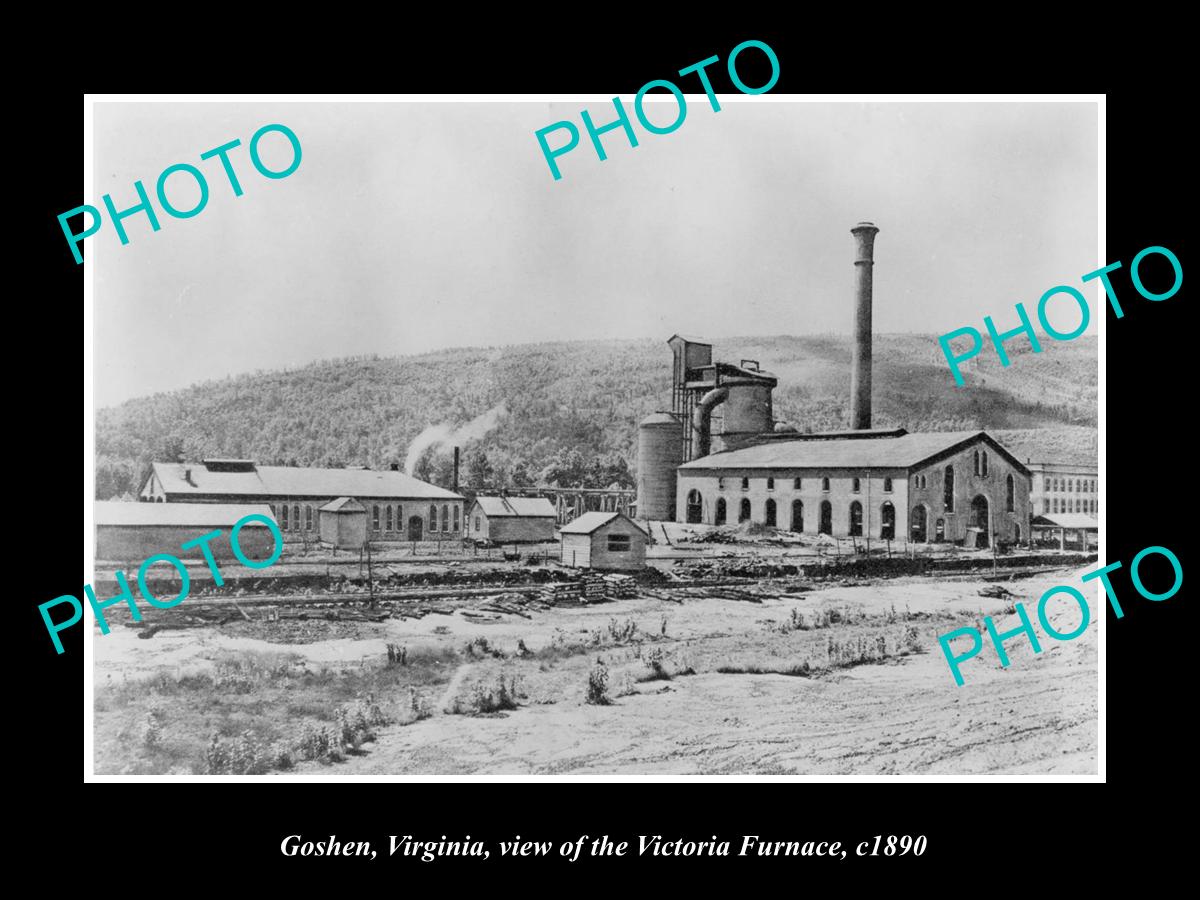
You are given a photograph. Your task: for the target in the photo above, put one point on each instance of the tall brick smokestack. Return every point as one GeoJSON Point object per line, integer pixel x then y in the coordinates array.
{"type": "Point", "coordinates": [860, 371]}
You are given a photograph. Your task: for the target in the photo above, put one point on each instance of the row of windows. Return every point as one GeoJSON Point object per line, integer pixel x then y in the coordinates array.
{"type": "Point", "coordinates": [1078, 485]}
{"type": "Point", "coordinates": [397, 523]}
{"type": "Point", "coordinates": [1070, 505]}
{"type": "Point", "coordinates": [297, 517]}
{"type": "Point", "coordinates": [289, 517]}
{"type": "Point", "coordinates": [887, 513]}
{"type": "Point", "coordinates": [797, 484]}
{"type": "Point", "coordinates": [1010, 486]}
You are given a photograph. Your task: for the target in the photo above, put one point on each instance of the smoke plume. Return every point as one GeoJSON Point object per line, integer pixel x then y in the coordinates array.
{"type": "Point", "coordinates": [450, 436]}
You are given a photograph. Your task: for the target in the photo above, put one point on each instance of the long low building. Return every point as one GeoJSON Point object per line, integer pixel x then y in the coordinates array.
{"type": "Point", "coordinates": [507, 520]}
{"type": "Point", "coordinates": [399, 507]}
{"type": "Point", "coordinates": [943, 486]}
{"type": "Point", "coordinates": [127, 532]}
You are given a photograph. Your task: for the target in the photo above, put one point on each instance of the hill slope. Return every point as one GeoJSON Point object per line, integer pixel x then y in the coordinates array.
{"type": "Point", "coordinates": [570, 410]}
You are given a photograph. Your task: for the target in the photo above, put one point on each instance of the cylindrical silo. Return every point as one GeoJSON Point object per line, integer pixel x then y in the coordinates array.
{"type": "Point", "coordinates": [660, 451]}
{"type": "Point", "coordinates": [747, 412]}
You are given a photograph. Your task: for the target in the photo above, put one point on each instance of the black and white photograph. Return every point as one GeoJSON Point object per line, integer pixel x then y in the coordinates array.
{"type": "Point", "coordinates": [471, 437]}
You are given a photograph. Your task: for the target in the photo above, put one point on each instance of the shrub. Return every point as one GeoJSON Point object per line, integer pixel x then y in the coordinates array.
{"type": "Point", "coordinates": [653, 658]}
{"type": "Point", "coordinates": [912, 639]}
{"type": "Point", "coordinates": [152, 732]}
{"type": "Point", "coordinates": [397, 655]}
{"type": "Point", "coordinates": [420, 709]}
{"type": "Point", "coordinates": [597, 686]}
{"type": "Point", "coordinates": [621, 632]}
{"type": "Point", "coordinates": [239, 756]}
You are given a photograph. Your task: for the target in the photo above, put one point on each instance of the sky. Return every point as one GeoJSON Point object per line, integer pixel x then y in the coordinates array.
{"type": "Point", "coordinates": [411, 227]}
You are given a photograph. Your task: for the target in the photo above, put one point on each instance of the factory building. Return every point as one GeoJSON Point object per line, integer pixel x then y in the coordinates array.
{"type": "Point", "coordinates": [511, 520]}
{"type": "Point", "coordinates": [137, 531]}
{"type": "Point", "coordinates": [1059, 489]}
{"type": "Point", "coordinates": [398, 507]}
{"type": "Point", "coordinates": [720, 457]}
{"type": "Point", "coordinates": [942, 486]}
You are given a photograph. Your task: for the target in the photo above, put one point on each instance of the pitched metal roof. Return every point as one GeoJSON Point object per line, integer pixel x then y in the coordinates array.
{"type": "Point", "coordinates": [904, 452]}
{"type": "Point", "coordinates": [590, 521]}
{"type": "Point", "coordinates": [344, 504]}
{"type": "Point", "coordinates": [1066, 520]}
{"type": "Point", "coordinates": [517, 507]}
{"type": "Point", "coordinates": [296, 481]}
{"type": "Point", "coordinates": [200, 515]}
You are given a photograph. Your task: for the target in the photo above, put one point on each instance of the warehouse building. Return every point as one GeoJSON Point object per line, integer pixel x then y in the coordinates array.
{"type": "Point", "coordinates": [1062, 488]}
{"type": "Point", "coordinates": [511, 520]}
{"type": "Point", "coordinates": [398, 506]}
{"type": "Point", "coordinates": [608, 541]}
{"type": "Point", "coordinates": [942, 486]}
{"type": "Point", "coordinates": [127, 532]}
{"type": "Point", "coordinates": [720, 457]}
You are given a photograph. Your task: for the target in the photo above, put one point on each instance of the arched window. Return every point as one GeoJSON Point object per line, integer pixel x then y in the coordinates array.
{"type": "Point", "coordinates": [770, 512]}
{"type": "Point", "coordinates": [796, 483]}
{"type": "Point", "coordinates": [695, 506]}
{"type": "Point", "coordinates": [825, 484]}
{"type": "Point", "coordinates": [856, 485]}
{"type": "Point", "coordinates": [770, 482]}
{"type": "Point", "coordinates": [976, 462]}
{"type": "Point", "coordinates": [797, 515]}
{"type": "Point", "coordinates": [887, 485]}
{"type": "Point", "coordinates": [1018, 528]}
{"type": "Point", "coordinates": [308, 517]}
{"type": "Point", "coordinates": [917, 527]}
{"type": "Point", "coordinates": [283, 519]}
{"type": "Point", "coordinates": [745, 484]}
{"type": "Point", "coordinates": [388, 519]}
{"type": "Point", "coordinates": [375, 517]}
{"type": "Point", "coordinates": [744, 510]}
{"type": "Point", "coordinates": [825, 526]}
{"type": "Point", "coordinates": [719, 515]}
{"type": "Point", "coordinates": [983, 470]}
{"type": "Point", "coordinates": [939, 530]}
{"type": "Point", "coordinates": [456, 526]}
{"type": "Point", "coordinates": [296, 517]}
{"type": "Point", "coordinates": [856, 519]}
{"type": "Point", "coordinates": [1010, 494]}
{"type": "Point", "coordinates": [887, 521]}
{"type": "Point", "coordinates": [445, 517]}
{"type": "Point", "coordinates": [948, 490]}
{"type": "Point", "coordinates": [432, 517]}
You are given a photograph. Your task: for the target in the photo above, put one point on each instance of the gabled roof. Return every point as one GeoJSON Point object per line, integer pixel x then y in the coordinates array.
{"type": "Point", "coordinates": [590, 521]}
{"type": "Point", "coordinates": [1066, 520]}
{"type": "Point", "coordinates": [904, 452]}
{"type": "Point", "coordinates": [344, 504]}
{"type": "Point", "coordinates": [198, 515]}
{"type": "Point", "coordinates": [295, 481]}
{"type": "Point", "coordinates": [517, 507]}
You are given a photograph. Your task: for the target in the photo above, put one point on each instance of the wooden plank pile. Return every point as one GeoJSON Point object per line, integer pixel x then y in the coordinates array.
{"type": "Point", "coordinates": [620, 587]}
{"type": "Point", "coordinates": [593, 587]}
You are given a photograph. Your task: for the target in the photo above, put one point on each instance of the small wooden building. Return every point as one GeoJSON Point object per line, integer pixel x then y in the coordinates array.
{"type": "Point", "coordinates": [511, 520]}
{"type": "Point", "coordinates": [604, 540]}
{"type": "Point", "coordinates": [136, 531]}
{"type": "Point", "coordinates": [343, 523]}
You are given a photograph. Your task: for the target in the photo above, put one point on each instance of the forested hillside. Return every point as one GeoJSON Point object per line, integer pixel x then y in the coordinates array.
{"type": "Point", "coordinates": [568, 412]}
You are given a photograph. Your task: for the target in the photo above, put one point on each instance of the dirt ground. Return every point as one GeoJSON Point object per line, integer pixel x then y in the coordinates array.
{"type": "Point", "coordinates": [900, 715]}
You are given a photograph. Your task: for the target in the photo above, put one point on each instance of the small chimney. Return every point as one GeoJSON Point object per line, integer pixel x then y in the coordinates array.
{"type": "Point", "coordinates": [455, 488]}
{"type": "Point", "coordinates": [187, 476]}
{"type": "Point", "coordinates": [860, 369]}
